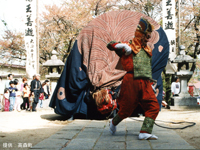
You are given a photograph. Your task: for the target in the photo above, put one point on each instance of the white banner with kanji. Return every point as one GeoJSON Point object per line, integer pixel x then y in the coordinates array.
{"type": "Point", "coordinates": [30, 37]}
{"type": "Point", "coordinates": [169, 25]}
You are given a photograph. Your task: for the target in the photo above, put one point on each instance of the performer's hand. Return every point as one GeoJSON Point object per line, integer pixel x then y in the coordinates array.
{"type": "Point", "coordinates": [127, 48]}
{"type": "Point", "coordinates": [111, 45]}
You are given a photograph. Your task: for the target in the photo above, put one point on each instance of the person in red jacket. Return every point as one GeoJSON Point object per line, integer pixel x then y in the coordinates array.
{"type": "Point", "coordinates": [136, 85]}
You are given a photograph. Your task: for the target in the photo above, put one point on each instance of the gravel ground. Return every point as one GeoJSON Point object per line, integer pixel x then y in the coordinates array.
{"type": "Point", "coordinates": [190, 134]}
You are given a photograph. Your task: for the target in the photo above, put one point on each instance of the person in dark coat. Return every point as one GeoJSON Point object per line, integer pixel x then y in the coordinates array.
{"type": "Point", "coordinates": [36, 88]}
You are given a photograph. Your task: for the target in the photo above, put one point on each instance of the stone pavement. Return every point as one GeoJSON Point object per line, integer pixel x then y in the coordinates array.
{"type": "Point", "coordinates": [93, 134]}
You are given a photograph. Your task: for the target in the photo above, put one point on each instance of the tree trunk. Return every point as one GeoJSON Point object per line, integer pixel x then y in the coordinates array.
{"type": "Point", "coordinates": [168, 80]}
{"type": "Point", "coordinates": [168, 88]}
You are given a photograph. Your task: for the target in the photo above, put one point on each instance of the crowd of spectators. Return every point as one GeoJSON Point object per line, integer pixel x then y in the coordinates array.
{"type": "Point", "coordinates": [16, 96]}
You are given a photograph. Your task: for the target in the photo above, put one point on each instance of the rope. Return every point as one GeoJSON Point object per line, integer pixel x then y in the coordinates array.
{"type": "Point", "coordinates": [181, 128]}
{"type": "Point", "coordinates": [190, 124]}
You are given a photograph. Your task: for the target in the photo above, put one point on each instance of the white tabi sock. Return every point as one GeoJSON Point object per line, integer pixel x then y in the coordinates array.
{"type": "Point", "coordinates": [112, 128]}
{"type": "Point", "coordinates": [147, 136]}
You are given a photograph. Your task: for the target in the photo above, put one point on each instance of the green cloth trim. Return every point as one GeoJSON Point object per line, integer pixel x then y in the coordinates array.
{"type": "Point", "coordinates": [148, 125]}
{"type": "Point", "coordinates": [142, 65]}
{"type": "Point", "coordinates": [116, 120]}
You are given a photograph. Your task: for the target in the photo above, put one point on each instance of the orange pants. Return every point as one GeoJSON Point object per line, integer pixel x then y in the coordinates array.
{"type": "Point", "coordinates": [134, 92]}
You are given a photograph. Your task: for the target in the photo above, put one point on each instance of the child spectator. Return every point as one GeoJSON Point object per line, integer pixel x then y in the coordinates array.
{"type": "Point", "coordinates": [24, 80]}
{"type": "Point", "coordinates": [18, 95]}
{"type": "Point", "coordinates": [41, 98]}
{"type": "Point", "coordinates": [1, 92]}
{"type": "Point", "coordinates": [6, 99]}
{"type": "Point", "coordinates": [26, 92]}
{"type": "Point", "coordinates": [12, 90]}
{"type": "Point", "coordinates": [31, 97]}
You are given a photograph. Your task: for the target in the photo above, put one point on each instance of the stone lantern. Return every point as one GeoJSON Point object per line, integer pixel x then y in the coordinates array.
{"type": "Point", "coordinates": [184, 100]}
{"type": "Point", "coordinates": [54, 69]}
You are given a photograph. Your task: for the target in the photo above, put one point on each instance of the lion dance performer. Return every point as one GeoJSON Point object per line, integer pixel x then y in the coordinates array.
{"type": "Point", "coordinates": [136, 86]}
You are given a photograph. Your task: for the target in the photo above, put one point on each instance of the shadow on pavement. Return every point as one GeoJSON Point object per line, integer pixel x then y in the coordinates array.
{"type": "Point", "coordinates": [54, 117]}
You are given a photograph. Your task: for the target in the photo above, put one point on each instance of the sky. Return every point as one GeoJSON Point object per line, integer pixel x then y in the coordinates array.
{"type": "Point", "coordinates": [13, 13]}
